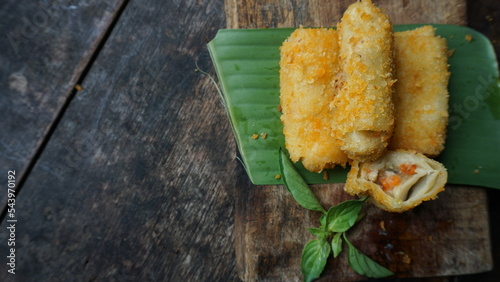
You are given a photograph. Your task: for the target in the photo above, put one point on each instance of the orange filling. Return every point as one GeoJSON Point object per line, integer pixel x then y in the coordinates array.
{"type": "Point", "coordinates": [390, 181]}
{"type": "Point", "coordinates": [390, 178]}
{"type": "Point", "coordinates": [407, 168]}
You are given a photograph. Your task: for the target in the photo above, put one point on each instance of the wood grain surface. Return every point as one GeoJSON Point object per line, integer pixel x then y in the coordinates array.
{"type": "Point", "coordinates": [285, 13]}
{"type": "Point", "coordinates": [132, 186]}
{"type": "Point", "coordinates": [45, 47]}
{"type": "Point", "coordinates": [449, 236]}
{"type": "Point", "coordinates": [135, 177]}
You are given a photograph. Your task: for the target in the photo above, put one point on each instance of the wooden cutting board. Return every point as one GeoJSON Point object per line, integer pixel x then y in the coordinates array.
{"type": "Point", "coordinates": [448, 236]}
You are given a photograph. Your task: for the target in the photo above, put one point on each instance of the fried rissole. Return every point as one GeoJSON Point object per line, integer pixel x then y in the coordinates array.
{"type": "Point", "coordinates": [398, 181]}
{"type": "Point", "coordinates": [402, 179]}
{"type": "Point", "coordinates": [421, 93]}
{"type": "Point", "coordinates": [363, 108]}
{"type": "Point", "coordinates": [308, 69]}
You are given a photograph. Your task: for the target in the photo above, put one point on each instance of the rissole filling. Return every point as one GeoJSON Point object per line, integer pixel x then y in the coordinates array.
{"type": "Point", "coordinates": [402, 181]}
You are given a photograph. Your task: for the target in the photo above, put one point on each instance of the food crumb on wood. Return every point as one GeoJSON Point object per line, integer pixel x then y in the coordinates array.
{"type": "Point", "coordinates": [468, 37]}
{"type": "Point", "coordinates": [430, 238]}
{"type": "Point", "coordinates": [406, 259]}
{"type": "Point", "coordinates": [325, 175]}
{"type": "Point", "coordinates": [382, 225]}
{"type": "Point", "coordinates": [255, 136]}
{"type": "Point", "coordinates": [78, 87]}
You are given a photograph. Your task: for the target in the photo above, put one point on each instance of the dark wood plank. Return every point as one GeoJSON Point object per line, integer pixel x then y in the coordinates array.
{"type": "Point", "coordinates": [448, 236]}
{"type": "Point", "coordinates": [484, 16]}
{"type": "Point", "coordinates": [137, 181]}
{"type": "Point", "coordinates": [282, 13]}
{"type": "Point", "coordinates": [441, 238]}
{"type": "Point", "coordinates": [45, 47]}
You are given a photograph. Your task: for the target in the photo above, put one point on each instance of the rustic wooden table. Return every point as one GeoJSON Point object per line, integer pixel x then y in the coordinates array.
{"type": "Point", "coordinates": [123, 156]}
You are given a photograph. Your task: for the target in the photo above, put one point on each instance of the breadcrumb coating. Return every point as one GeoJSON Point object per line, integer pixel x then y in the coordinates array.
{"type": "Point", "coordinates": [339, 97]}
{"type": "Point", "coordinates": [308, 69]}
{"type": "Point", "coordinates": [421, 91]}
{"type": "Point", "coordinates": [364, 110]}
{"type": "Point", "coordinates": [348, 95]}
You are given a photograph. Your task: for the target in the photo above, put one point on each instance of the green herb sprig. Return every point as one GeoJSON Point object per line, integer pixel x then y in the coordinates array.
{"type": "Point", "coordinates": [334, 224]}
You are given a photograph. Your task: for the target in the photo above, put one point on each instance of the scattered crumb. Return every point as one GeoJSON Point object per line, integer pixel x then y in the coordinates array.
{"type": "Point", "coordinates": [263, 135]}
{"type": "Point", "coordinates": [196, 70]}
{"type": "Point", "coordinates": [468, 37]}
{"type": "Point", "coordinates": [450, 52]}
{"type": "Point", "coordinates": [277, 176]}
{"type": "Point", "coordinates": [78, 87]}
{"type": "Point", "coordinates": [476, 171]}
{"type": "Point", "coordinates": [279, 108]}
{"type": "Point", "coordinates": [325, 175]}
{"type": "Point", "coordinates": [489, 18]}
{"type": "Point", "coordinates": [382, 225]}
{"type": "Point", "coordinates": [406, 259]}
{"type": "Point", "coordinates": [430, 238]}
{"type": "Point", "coordinates": [255, 136]}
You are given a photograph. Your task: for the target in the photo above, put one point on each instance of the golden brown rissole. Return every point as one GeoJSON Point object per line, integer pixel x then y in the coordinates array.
{"type": "Point", "coordinates": [421, 93]}
{"type": "Point", "coordinates": [308, 69]}
{"type": "Point", "coordinates": [363, 108]}
{"type": "Point", "coordinates": [398, 181]}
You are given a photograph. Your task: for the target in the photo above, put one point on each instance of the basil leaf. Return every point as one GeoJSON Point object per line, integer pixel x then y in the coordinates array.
{"type": "Point", "coordinates": [363, 265]}
{"type": "Point", "coordinates": [297, 186]}
{"type": "Point", "coordinates": [343, 216]}
{"type": "Point", "coordinates": [319, 232]}
{"type": "Point", "coordinates": [361, 215]}
{"type": "Point", "coordinates": [322, 220]}
{"type": "Point", "coordinates": [336, 244]}
{"type": "Point", "coordinates": [314, 257]}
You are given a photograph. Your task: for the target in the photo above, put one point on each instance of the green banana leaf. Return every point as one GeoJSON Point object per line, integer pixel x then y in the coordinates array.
{"type": "Point", "coordinates": [247, 66]}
